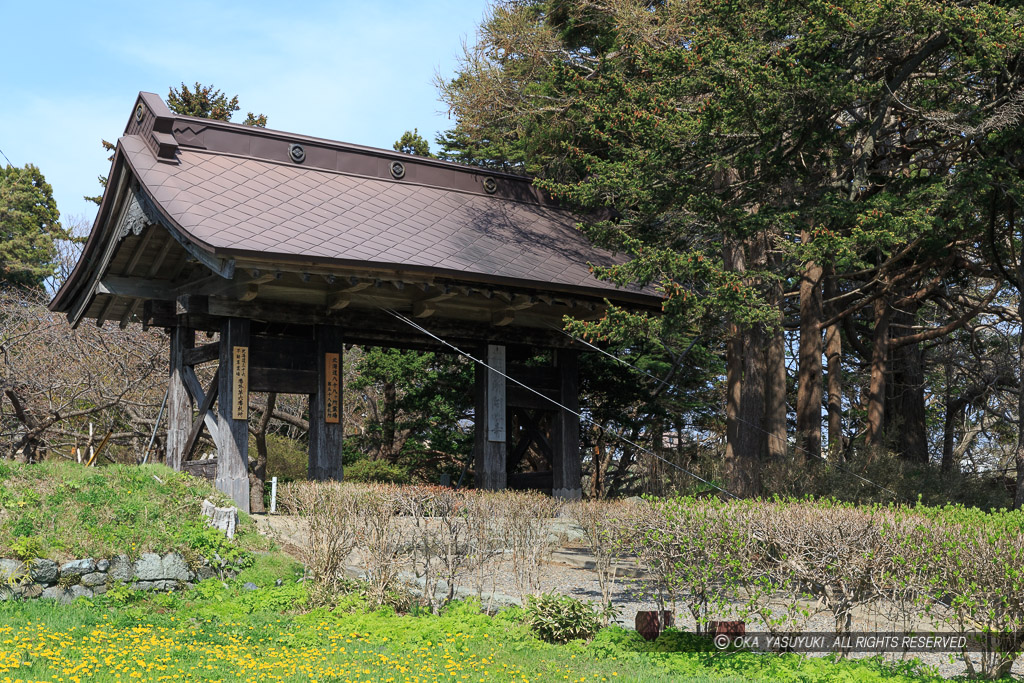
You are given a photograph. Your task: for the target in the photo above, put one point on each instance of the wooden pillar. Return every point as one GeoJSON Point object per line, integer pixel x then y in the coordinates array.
{"type": "Point", "coordinates": [491, 434]}
{"type": "Point", "coordinates": [233, 412]}
{"type": "Point", "coordinates": [179, 401]}
{"type": "Point", "coordinates": [325, 424]}
{"type": "Point", "coordinates": [568, 461]}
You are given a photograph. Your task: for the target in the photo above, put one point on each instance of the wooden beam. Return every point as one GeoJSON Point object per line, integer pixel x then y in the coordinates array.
{"type": "Point", "coordinates": [373, 327]}
{"type": "Point", "coordinates": [128, 312]}
{"type": "Point", "coordinates": [490, 434]}
{"type": "Point", "coordinates": [140, 249]}
{"type": "Point", "coordinates": [423, 309]}
{"type": "Point", "coordinates": [154, 268]}
{"type": "Point", "coordinates": [326, 426]}
{"type": "Point", "coordinates": [341, 298]}
{"type": "Point", "coordinates": [338, 300]}
{"type": "Point", "coordinates": [197, 424]}
{"type": "Point", "coordinates": [102, 317]}
{"type": "Point", "coordinates": [196, 389]}
{"type": "Point", "coordinates": [567, 461]}
{"type": "Point", "coordinates": [136, 287]}
{"type": "Point", "coordinates": [201, 354]}
{"type": "Point", "coordinates": [232, 434]}
{"type": "Point", "coordinates": [158, 262]}
{"type": "Point", "coordinates": [179, 403]}
{"type": "Point", "coordinates": [503, 317]}
{"type": "Point", "coordinates": [282, 380]}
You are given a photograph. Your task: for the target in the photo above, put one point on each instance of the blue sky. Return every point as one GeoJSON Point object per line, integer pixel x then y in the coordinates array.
{"type": "Point", "coordinates": [360, 72]}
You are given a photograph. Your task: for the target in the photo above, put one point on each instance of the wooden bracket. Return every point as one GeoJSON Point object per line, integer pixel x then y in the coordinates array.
{"type": "Point", "coordinates": [204, 408]}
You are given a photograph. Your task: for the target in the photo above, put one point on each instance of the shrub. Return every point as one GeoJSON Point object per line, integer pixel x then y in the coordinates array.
{"type": "Point", "coordinates": [524, 518]}
{"type": "Point", "coordinates": [440, 539]}
{"type": "Point", "coordinates": [214, 546]}
{"type": "Point", "coordinates": [379, 538]}
{"type": "Point", "coordinates": [561, 618]}
{"type": "Point", "coordinates": [27, 548]}
{"type": "Point", "coordinates": [376, 471]}
{"type": "Point", "coordinates": [602, 530]}
{"type": "Point", "coordinates": [328, 512]}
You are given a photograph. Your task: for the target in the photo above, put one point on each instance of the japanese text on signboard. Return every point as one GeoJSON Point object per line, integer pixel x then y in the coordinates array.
{"type": "Point", "coordinates": [332, 388]}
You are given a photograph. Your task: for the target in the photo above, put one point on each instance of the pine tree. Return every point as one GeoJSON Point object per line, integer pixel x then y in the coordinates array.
{"type": "Point", "coordinates": [29, 227]}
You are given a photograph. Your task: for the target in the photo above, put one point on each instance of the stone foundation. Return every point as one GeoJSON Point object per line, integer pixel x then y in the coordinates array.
{"type": "Point", "coordinates": [85, 578]}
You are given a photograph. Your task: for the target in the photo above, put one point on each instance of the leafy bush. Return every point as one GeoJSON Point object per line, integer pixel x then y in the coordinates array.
{"type": "Point", "coordinates": [27, 548]}
{"type": "Point", "coordinates": [561, 618]}
{"type": "Point", "coordinates": [376, 471]}
{"type": "Point", "coordinates": [214, 546]}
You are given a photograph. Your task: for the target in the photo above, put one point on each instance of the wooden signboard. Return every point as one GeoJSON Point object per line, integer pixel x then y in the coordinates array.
{"type": "Point", "coordinates": [240, 382]}
{"type": "Point", "coordinates": [332, 388]}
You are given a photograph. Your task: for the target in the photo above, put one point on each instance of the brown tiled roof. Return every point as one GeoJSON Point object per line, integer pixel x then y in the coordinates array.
{"type": "Point", "coordinates": [236, 204]}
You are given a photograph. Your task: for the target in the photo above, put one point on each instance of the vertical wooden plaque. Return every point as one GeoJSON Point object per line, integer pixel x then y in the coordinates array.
{"type": "Point", "coordinates": [240, 382]}
{"type": "Point", "coordinates": [332, 388]}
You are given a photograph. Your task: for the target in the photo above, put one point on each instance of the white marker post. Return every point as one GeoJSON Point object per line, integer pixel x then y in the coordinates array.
{"type": "Point", "coordinates": [273, 495]}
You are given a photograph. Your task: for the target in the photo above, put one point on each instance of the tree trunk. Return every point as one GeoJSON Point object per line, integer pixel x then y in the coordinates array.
{"type": "Point", "coordinates": [908, 406]}
{"type": "Point", "coordinates": [834, 358]}
{"type": "Point", "coordinates": [258, 473]}
{"type": "Point", "coordinates": [1018, 497]}
{"type": "Point", "coordinates": [954, 418]}
{"type": "Point", "coordinates": [775, 389]}
{"type": "Point", "coordinates": [745, 475]}
{"type": "Point", "coordinates": [874, 438]}
{"type": "Point", "coordinates": [808, 399]}
{"type": "Point", "coordinates": [744, 471]}
{"type": "Point", "coordinates": [734, 260]}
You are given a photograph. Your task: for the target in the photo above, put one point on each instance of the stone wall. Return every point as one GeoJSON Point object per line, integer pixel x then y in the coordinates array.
{"type": "Point", "coordinates": [48, 580]}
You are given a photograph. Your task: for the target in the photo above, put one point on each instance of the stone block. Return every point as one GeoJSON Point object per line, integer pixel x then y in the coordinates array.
{"type": "Point", "coordinates": [11, 571]}
{"type": "Point", "coordinates": [121, 569]}
{"type": "Point", "coordinates": [44, 571]}
{"type": "Point", "coordinates": [93, 579]}
{"type": "Point", "coordinates": [102, 565]}
{"type": "Point", "coordinates": [29, 591]}
{"type": "Point", "coordinates": [77, 567]}
{"type": "Point", "coordinates": [149, 567]}
{"type": "Point", "coordinates": [175, 568]}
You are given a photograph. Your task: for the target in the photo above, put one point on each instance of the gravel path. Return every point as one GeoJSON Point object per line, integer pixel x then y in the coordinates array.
{"type": "Point", "coordinates": [567, 572]}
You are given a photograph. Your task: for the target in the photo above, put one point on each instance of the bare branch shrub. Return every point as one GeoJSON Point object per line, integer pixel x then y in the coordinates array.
{"type": "Point", "coordinates": [692, 551]}
{"type": "Point", "coordinates": [602, 527]}
{"type": "Point", "coordinates": [327, 511]}
{"type": "Point", "coordinates": [379, 538]}
{"type": "Point", "coordinates": [835, 551]}
{"type": "Point", "coordinates": [484, 535]}
{"type": "Point", "coordinates": [526, 518]}
{"type": "Point", "coordinates": [440, 546]}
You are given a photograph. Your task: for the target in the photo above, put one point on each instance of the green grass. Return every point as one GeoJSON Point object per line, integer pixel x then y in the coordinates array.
{"type": "Point", "coordinates": [218, 632]}
{"type": "Point", "coordinates": [63, 510]}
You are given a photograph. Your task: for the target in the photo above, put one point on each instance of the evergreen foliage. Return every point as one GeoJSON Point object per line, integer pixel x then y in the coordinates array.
{"type": "Point", "coordinates": [29, 227]}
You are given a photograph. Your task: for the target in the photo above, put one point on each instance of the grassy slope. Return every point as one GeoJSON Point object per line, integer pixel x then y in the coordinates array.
{"type": "Point", "coordinates": [69, 511]}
